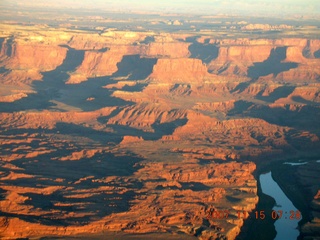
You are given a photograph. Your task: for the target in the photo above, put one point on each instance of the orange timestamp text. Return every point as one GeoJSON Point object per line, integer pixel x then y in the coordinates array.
{"type": "Point", "coordinates": [259, 214]}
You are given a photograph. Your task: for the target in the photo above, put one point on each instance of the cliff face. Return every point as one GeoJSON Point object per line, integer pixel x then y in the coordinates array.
{"type": "Point", "coordinates": [168, 49]}
{"type": "Point", "coordinates": [312, 48]}
{"type": "Point", "coordinates": [308, 71]}
{"type": "Point", "coordinates": [25, 61]}
{"type": "Point", "coordinates": [144, 116]}
{"type": "Point", "coordinates": [245, 54]}
{"type": "Point", "coordinates": [155, 134]}
{"type": "Point", "coordinates": [179, 70]}
{"type": "Point", "coordinates": [236, 56]}
{"type": "Point", "coordinates": [93, 41]}
{"type": "Point", "coordinates": [310, 93]}
{"type": "Point", "coordinates": [31, 56]}
{"type": "Point", "coordinates": [240, 59]}
{"type": "Point", "coordinates": [18, 77]}
{"type": "Point", "coordinates": [101, 63]}
{"type": "Point", "coordinates": [5, 47]}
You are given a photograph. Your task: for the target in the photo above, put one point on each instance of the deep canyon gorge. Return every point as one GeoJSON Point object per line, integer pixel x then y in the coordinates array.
{"type": "Point", "coordinates": [137, 131]}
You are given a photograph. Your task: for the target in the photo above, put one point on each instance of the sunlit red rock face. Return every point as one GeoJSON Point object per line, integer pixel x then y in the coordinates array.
{"type": "Point", "coordinates": [179, 70]}
{"type": "Point", "coordinates": [165, 197]}
{"type": "Point", "coordinates": [43, 57]}
{"type": "Point", "coordinates": [141, 132]}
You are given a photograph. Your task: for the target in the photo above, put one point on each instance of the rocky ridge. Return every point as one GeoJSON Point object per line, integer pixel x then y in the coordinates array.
{"type": "Point", "coordinates": [143, 132]}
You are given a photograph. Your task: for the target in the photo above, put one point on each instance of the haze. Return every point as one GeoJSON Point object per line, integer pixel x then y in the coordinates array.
{"type": "Point", "coordinates": [229, 7]}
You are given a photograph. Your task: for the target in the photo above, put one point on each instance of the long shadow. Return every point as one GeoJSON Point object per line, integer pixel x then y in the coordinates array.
{"type": "Point", "coordinates": [105, 119]}
{"type": "Point", "coordinates": [240, 107]}
{"type": "Point", "coordinates": [3, 69]}
{"type": "Point", "coordinates": [194, 186]}
{"type": "Point", "coordinates": [63, 201]}
{"type": "Point", "coordinates": [9, 46]}
{"type": "Point", "coordinates": [133, 67]}
{"type": "Point", "coordinates": [306, 51]}
{"type": "Point", "coordinates": [300, 142]}
{"type": "Point", "coordinates": [317, 54]}
{"type": "Point", "coordinates": [136, 88]}
{"type": "Point", "coordinates": [273, 65]}
{"type": "Point", "coordinates": [304, 101]}
{"type": "Point", "coordinates": [53, 86]}
{"type": "Point", "coordinates": [2, 194]}
{"type": "Point", "coordinates": [21, 135]}
{"type": "Point", "coordinates": [147, 40]}
{"type": "Point", "coordinates": [73, 59]}
{"type": "Point", "coordinates": [39, 101]}
{"type": "Point", "coordinates": [280, 92]}
{"type": "Point", "coordinates": [102, 50]}
{"type": "Point", "coordinates": [77, 95]}
{"type": "Point", "coordinates": [102, 163]}
{"type": "Point", "coordinates": [1, 43]}
{"type": "Point", "coordinates": [81, 131]}
{"type": "Point", "coordinates": [93, 208]}
{"type": "Point", "coordinates": [160, 130]}
{"type": "Point", "coordinates": [21, 131]}
{"type": "Point", "coordinates": [304, 119]}
{"type": "Point", "coordinates": [47, 89]}
{"type": "Point", "coordinates": [206, 52]}
{"type": "Point", "coordinates": [115, 137]}
{"type": "Point", "coordinates": [187, 88]}
{"type": "Point", "coordinates": [233, 199]}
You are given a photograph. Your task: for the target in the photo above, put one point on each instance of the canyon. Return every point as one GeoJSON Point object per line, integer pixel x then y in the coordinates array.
{"type": "Point", "coordinates": [146, 132]}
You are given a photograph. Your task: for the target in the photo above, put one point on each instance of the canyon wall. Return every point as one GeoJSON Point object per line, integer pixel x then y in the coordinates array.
{"type": "Point", "coordinates": [144, 132]}
{"type": "Point", "coordinates": [238, 59]}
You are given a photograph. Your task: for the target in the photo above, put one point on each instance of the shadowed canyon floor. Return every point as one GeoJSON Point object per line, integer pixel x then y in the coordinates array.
{"type": "Point", "coordinates": [118, 132]}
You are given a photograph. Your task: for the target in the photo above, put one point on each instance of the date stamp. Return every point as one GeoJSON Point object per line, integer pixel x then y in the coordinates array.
{"type": "Point", "coordinates": [278, 214]}
{"type": "Point", "coordinates": [259, 214]}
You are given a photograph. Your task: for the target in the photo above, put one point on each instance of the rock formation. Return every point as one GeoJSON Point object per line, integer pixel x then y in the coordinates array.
{"type": "Point", "coordinates": [147, 132]}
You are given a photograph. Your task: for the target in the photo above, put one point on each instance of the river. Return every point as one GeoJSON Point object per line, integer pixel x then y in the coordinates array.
{"type": "Point", "coordinates": [286, 228]}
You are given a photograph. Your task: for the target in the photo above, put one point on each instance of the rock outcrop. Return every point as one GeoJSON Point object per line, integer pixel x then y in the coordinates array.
{"type": "Point", "coordinates": [110, 130]}
{"type": "Point", "coordinates": [179, 70]}
{"type": "Point", "coordinates": [35, 55]}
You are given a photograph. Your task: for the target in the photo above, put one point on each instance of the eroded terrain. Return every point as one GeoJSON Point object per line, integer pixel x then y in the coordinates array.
{"type": "Point", "coordinates": [141, 131]}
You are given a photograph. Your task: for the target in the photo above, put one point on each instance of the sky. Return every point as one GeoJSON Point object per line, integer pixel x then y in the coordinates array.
{"type": "Point", "coordinates": [242, 7]}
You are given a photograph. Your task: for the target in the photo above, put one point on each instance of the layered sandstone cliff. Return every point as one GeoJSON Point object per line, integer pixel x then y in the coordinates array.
{"type": "Point", "coordinates": [45, 58]}
{"type": "Point", "coordinates": [168, 49]}
{"type": "Point", "coordinates": [154, 133]}
{"type": "Point", "coordinates": [179, 70]}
